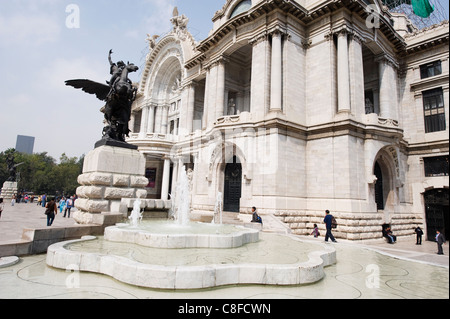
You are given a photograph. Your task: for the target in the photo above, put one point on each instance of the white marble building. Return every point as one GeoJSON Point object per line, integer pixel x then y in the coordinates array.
{"type": "Point", "coordinates": [300, 106]}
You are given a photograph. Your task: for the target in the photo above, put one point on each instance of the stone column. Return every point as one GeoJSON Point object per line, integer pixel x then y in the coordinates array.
{"type": "Point", "coordinates": [151, 119]}
{"type": "Point", "coordinates": [165, 120]}
{"type": "Point", "coordinates": [388, 88]}
{"type": "Point", "coordinates": [357, 76]}
{"type": "Point", "coordinates": [220, 93]}
{"type": "Point", "coordinates": [191, 108]}
{"type": "Point", "coordinates": [158, 117]}
{"type": "Point", "coordinates": [165, 180]}
{"type": "Point", "coordinates": [343, 73]}
{"type": "Point", "coordinates": [144, 122]}
{"type": "Point", "coordinates": [276, 94]}
{"type": "Point", "coordinates": [260, 85]}
{"type": "Point", "coordinates": [206, 102]}
{"type": "Point", "coordinates": [211, 94]}
{"type": "Point", "coordinates": [132, 121]}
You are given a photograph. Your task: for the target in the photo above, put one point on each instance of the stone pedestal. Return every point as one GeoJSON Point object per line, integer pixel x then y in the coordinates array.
{"type": "Point", "coordinates": [9, 189]}
{"type": "Point", "coordinates": [109, 175]}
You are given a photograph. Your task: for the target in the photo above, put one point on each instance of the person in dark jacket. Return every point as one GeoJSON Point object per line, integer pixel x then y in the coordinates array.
{"type": "Point", "coordinates": [328, 220]}
{"type": "Point", "coordinates": [419, 234]}
{"type": "Point", "coordinates": [440, 241]}
{"type": "Point", "coordinates": [255, 217]}
{"type": "Point", "coordinates": [51, 211]}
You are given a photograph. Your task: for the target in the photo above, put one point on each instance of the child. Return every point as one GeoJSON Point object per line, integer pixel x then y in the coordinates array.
{"type": "Point", "coordinates": [315, 231]}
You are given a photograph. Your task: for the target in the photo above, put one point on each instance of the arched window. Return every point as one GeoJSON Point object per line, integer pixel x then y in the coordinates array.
{"type": "Point", "coordinates": [241, 7]}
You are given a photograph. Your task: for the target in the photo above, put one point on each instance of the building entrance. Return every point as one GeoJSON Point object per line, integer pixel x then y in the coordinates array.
{"type": "Point", "coordinates": [233, 186]}
{"type": "Point", "coordinates": [436, 210]}
{"type": "Point", "coordinates": [379, 196]}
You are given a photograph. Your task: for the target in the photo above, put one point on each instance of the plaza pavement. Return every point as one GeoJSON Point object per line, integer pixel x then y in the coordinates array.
{"type": "Point", "coordinates": [404, 271]}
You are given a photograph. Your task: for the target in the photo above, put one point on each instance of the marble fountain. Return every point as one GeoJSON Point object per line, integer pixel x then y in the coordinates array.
{"type": "Point", "coordinates": [180, 254]}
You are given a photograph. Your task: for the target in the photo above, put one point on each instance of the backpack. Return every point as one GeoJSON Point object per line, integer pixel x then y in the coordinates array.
{"type": "Point", "coordinates": [334, 223]}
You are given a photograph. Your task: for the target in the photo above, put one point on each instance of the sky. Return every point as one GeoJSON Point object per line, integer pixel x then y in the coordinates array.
{"type": "Point", "coordinates": [43, 43]}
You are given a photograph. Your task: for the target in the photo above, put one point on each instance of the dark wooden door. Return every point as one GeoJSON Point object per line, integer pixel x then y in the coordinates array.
{"type": "Point", "coordinates": [379, 196]}
{"type": "Point", "coordinates": [233, 187]}
{"type": "Point", "coordinates": [437, 211]}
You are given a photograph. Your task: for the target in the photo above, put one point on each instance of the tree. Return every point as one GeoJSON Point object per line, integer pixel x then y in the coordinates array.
{"type": "Point", "coordinates": [40, 173]}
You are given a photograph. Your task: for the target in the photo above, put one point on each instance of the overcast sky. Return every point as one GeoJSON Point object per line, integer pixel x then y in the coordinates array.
{"type": "Point", "coordinates": [41, 46]}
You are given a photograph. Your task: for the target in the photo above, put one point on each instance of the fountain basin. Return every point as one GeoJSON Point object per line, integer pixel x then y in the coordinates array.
{"type": "Point", "coordinates": [169, 235]}
{"type": "Point", "coordinates": [274, 260]}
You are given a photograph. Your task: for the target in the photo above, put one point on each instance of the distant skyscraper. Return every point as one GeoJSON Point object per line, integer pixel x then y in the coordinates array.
{"type": "Point", "coordinates": [25, 144]}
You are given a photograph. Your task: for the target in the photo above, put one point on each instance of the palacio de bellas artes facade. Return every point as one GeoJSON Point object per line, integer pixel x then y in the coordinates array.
{"type": "Point", "coordinates": [297, 107]}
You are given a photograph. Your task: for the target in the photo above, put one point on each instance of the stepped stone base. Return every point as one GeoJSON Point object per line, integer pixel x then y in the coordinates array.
{"type": "Point", "coordinates": [110, 174]}
{"type": "Point", "coordinates": [9, 189]}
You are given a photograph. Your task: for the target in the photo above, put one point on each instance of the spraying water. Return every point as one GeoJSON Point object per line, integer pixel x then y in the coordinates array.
{"type": "Point", "coordinates": [136, 215]}
{"type": "Point", "coordinates": [218, 209]}
{"type": "Point", "coordinates": [182, 200]}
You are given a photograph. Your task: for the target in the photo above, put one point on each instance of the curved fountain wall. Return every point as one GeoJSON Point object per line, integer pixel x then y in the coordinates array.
{"type": "Point", "coordinates": [241, 236]}
{"type": "Point", "coordinates": [192, 277]}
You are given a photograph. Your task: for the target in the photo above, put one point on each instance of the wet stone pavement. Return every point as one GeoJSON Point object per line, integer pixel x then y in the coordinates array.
{"type": "Point", "coordinates": [373, 270]}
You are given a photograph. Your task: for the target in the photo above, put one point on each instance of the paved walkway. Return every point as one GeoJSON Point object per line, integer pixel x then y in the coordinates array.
{"type": "Point", "coordinates": [403, 270]}
{"type": "Point", "coordinates": [20, 216]}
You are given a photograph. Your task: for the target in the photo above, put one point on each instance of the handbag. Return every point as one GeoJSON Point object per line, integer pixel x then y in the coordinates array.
{"type": "Point", "coordinates": [49, 209]}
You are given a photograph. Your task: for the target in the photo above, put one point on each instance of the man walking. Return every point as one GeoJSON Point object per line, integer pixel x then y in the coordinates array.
{"type": "Point", "coordinates": [440, 241]}
{"type": "Point", "coordinates": [328, 220]}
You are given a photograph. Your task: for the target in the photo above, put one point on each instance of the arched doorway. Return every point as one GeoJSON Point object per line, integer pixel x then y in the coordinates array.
{"type": "Point", "coordinates": [379, 192]}
{"type": "Point", "coordinates": [233, 186]}
{"type": "Point", "coordinates": [436, 212]}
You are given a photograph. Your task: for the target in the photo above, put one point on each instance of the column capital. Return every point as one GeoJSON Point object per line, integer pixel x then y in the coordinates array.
{"type": "Point", "coordinates": [340, 31]}
{"type": "Point", "coordinates": [387, 59]}
{"type": "Point", "coordinates": [223, 59]}
{"type": "Point", "coordinates": [189, 84]}
{"type": "Point", "coordinates": [355, 36]}
{"type": "Point", "coordinates": [257, 39]}
{"type": "Point", "coordinates": [277, 31]}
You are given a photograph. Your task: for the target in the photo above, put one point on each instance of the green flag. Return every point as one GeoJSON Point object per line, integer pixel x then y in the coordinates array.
{"type": "Point", "coordinates": [422, 8]}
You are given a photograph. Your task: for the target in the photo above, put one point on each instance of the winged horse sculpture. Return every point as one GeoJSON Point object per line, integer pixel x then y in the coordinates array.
{"type": "Point", "coordinates": [119, 95]}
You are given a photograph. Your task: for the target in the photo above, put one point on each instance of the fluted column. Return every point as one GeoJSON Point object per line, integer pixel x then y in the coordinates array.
{"type": "Point", "coordinates": [276, 95]}
{"type": "Point", "coordinates": [343, 73]}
